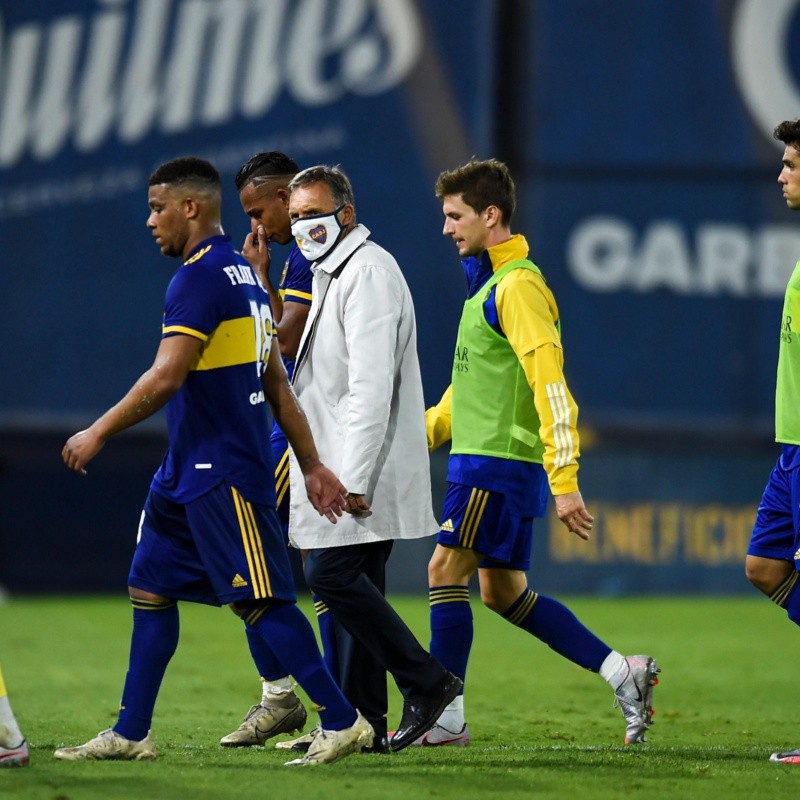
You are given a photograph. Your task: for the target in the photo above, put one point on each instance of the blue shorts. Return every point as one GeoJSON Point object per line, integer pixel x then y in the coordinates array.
{"type": "Point", "coordinates": [280, 455]}
{"type": "Point", "coordinates": [480, 520]}
{"type": "Point", "coordinates": [217, 549]}
{"type": "Point", "coordinates": [776, 533]}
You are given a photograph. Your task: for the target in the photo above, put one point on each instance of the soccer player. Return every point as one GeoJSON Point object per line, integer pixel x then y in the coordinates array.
{"type": "Point", "coordinates": [773, 557]}
{"type": "Point", "coordinates": [262, 185]}
{"type": "Point", "coordinates": [209, 531]}
{"type": "Point", "coordinates": [512, 422]}
{"type": "Point", "coordinates": [13, 747]}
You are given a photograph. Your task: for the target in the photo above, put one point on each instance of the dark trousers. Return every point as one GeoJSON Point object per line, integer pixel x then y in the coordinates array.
{"type": "Point", "coordinates": [359, 674]}
{"type": "Point", "coordinates": [350, 580]}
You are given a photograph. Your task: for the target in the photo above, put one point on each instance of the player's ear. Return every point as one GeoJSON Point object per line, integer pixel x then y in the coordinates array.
{"type": "Point", "coordinates": [282, 195]}
{"type": "Point", "coordinates": [191, 208]}
{"type": "Point", "coordinates": [492, 216]}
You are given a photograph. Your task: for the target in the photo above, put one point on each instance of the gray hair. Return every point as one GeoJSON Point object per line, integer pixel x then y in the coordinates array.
{"type": "Point", "coordinates": [333, 177]}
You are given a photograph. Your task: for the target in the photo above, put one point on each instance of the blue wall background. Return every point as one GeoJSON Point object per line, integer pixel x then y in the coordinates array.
{"type": "Point", "coordinates": [640, 137]}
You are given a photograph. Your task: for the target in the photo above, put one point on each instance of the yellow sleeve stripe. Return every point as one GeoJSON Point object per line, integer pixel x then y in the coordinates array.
{"type": "Point", "coordinates": [562, 424]}
{"type": "Point", "coordinates": [294, 293]}
{"type": "Point", "coordinates": [558, 415]}
{"type": "Point", "coordinates": [165, 329]}
{"type": "Point", "coordinates": [231, 343]}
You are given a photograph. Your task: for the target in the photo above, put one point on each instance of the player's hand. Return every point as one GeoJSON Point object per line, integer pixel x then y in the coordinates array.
{"type": "Point", "coordinates": [572, 512]}
{"type": "Point", "coordinates": [357, 505]}
{"type": "Point", "coordinates": [256, 250]}
{"type": "Point", "coordinates": [325, 491]}
{"type": "Point", "coordinates": [80, 449]}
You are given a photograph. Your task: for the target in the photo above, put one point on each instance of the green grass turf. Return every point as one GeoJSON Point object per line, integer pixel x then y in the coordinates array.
{"type": "Point", "coordinates": [541, 726]}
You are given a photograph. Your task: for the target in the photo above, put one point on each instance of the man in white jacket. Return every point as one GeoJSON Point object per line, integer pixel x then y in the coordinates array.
{"type": "Point", "coordinates": [357, 377]}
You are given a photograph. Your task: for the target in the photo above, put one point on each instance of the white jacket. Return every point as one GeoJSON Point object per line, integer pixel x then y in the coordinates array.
{"type": "Point", "coordinates": [357, 378]}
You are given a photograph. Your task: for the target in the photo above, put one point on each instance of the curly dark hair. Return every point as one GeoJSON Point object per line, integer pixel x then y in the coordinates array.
{"type": "Point", "coordinates": [788, 132]}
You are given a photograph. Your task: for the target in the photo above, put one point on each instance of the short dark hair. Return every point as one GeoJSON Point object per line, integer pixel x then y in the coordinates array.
{"type": "Point", "coordinates": [187, 170]}
{"type": "Point", "coordinates": [266, 165]}
{"type": "Point", "coordinates": [481, 184]}
{"type": "Point", "coordinates": [334, 177]}
{"type": "Point", "coordinates": [788, 132]}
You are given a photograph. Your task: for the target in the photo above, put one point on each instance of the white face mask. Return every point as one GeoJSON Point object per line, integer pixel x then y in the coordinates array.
{"type": "Point", "coordinates": [317, 235]}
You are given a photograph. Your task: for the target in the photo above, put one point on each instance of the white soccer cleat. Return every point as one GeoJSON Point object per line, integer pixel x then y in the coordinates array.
{"type": "Point", "coordinates": [301, 743]}
{"type": "Point", "coordinates": [330, 746]}
{"type": "Point", "coordinates": [109, 746]}
{"type": "Point", "coordinates": [268, 719]}
{"type": "Point", "coordinates": [634, 695]}
{"type": "Point", "coordinates": [439, 736]}
{"type": "Point", "coordinates": [12, 755]}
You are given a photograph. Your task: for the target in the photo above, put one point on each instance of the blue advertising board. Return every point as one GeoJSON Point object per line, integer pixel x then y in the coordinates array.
{"type": "Point", "coordinates": [651, 201]}
{"type": "Point", "coordinates": [646, 176]}
{"type": "Point", "coordinates": [94, 95]}
{"type": "Point", "coordinates": [640, 137]}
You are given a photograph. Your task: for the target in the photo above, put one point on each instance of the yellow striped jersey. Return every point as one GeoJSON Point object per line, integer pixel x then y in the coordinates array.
{"type": "Point", "coordinates": [218, 421]}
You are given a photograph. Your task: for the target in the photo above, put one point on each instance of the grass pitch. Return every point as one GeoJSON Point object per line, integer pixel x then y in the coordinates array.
{"type": "Point", "coordinates": [541, 726]}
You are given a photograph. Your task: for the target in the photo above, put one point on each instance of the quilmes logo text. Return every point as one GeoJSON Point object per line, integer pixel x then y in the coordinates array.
{"type": "Point", "coordinates": [137, 66]}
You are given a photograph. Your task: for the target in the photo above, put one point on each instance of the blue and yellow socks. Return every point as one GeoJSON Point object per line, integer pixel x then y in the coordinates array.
{"type": "Point", "coordinates": [555, 625]}
{"type": "Point", "coordinates": [153, 643]}
{"type": "Point", "coordinates": [292, 640]}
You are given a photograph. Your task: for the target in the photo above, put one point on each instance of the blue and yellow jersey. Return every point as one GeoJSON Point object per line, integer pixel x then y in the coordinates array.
{"type": "Point", "coordinates": [218, 421]}
{"type": "Point", "coordinates": [521, 308]}
{"type": "Point", "coordinates": [295, 287]}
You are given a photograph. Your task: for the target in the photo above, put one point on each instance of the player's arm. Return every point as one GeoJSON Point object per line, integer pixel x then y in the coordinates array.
{"type": "Point", "coordinates": [557, 414]}
{"type": "Point", "coordinates": [296, 290]}
{"type": "Point", "coordinates": [527, 321]}
{"type": "Point", "coordinates": [256, 250]}
{"type": "Point", "coordinates": [150, 393]}
{"type": "Point", "coordinates": [324, 489]}
{"type": "Point", "coordinates": [290, 329]}
{"type": "Point", "coordinates": [438, 421]}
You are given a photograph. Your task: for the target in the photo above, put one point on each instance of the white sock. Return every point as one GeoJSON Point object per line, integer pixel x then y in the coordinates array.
{"type": "Point", "coordinates": [614, 669]}
{"type": "Point", "coordinates": [278, 687]}
{"type": "Point", "coordinates": [452, 717]}
{"type": "Point", "coordinates": [8, 721]}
